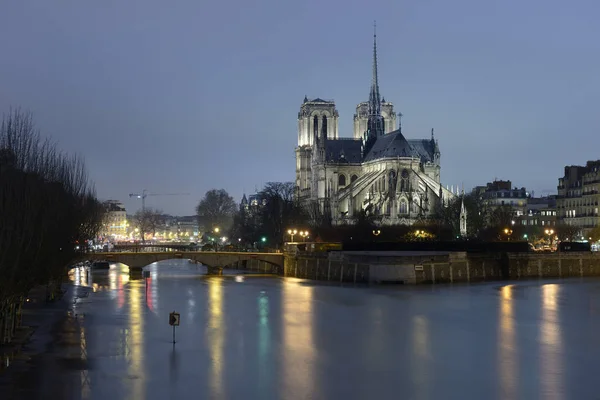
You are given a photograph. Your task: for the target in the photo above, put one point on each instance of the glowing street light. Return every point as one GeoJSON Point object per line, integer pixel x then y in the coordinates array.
{"type": "Point", "coordinates": [304, 235]}
{"type": "Point", "coordinates": [292, 232]}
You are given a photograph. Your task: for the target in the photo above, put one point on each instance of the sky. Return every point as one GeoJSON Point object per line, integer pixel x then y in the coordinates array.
{"type": "Point", "coordinates": [189, 95]}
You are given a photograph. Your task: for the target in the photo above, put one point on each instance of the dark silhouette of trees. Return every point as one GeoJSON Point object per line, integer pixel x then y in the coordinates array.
{"type": "Point", "coordinates": [280, 211]}
{"type": "Point", "coordinates": [276, 212]}
{"type": "Point", "coordinates": [216, 209]}
{"type": "Point", "coordinates": [147, 221]}
{"type": "Point", "coordinates": [49, 212]}
{"type": "Point", "coordinates": [566, 232]}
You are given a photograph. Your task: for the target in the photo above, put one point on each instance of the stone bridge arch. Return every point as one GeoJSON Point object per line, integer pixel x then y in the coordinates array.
{"type": "Point", "coordinates": [272, 262]}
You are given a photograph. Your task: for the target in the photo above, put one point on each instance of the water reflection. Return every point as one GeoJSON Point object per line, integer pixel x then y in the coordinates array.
{"type": "Point", "coordinates": [551, 344]}
{"type": "Point", "coordinates": [215, 336]}
{"type": "Point", "coordinates": [264, 340]}
{"type": "Point", "coordinates": [422, 374]}
{"type": "Point", "coordinates": [84, 374]}
{"type": "Point", "coordinates": [151, 288]}
{"type": "Point", "coordinates": [135, 341]}
{"type": "Point", "coordinates": [113, 280]}
{"type": "Point", "coordinates": [507, 345]}
{"type": "Point", "coordinates": [299, 353]}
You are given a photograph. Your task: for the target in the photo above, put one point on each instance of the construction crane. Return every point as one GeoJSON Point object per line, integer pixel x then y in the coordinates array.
{"type": "Point", "coordinates": [145, 194]}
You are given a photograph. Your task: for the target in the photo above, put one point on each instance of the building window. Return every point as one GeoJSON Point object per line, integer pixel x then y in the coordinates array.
{"type": "Point", "coordinates": [404, 181]}
{"type": "Point", "coordinates": [342, 180]}
{"type": "Point", "coordinates": [324, 129]}
{"type": "Point", "coordinates": [403, 207]}
{"type": "Point", "coordinates": [316, 126]}
{"type": "Point", "coordinates": [354, 177]}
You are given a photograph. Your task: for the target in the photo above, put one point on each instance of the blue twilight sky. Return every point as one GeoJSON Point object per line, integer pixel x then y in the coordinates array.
{"type": "Point", "coordinates": [189, 95]}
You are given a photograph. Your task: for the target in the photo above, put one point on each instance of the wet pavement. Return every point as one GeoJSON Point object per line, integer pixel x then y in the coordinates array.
{"type": "Point", "coordinates": [274, 338]}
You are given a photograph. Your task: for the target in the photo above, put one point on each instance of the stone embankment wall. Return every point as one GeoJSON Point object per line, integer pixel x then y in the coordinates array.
{"type": "Point", "coordinates": [432, 267]}
{"type": "Point", "coordinates": [258, 266]}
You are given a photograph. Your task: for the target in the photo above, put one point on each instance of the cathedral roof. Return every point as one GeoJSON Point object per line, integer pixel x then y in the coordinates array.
{"type": "Point", "coordinates": [343, 150]}
{"type": "Point", "coordinates": [320, 100]}
{"type": "Point", "coordinates": [393, 144]}
{"type": "Point", "coordinates": [425, 148]}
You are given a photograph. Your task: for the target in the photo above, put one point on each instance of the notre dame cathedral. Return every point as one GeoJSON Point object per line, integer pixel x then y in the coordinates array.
{"type": "Point", "coordinates": [378, 170]}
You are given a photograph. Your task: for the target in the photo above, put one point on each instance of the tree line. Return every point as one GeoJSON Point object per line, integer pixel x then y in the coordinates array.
{"type": "Point", "coordinates": [261, 224]}
{"type": "Point", "coordinates": [48, 210]}
{"type": "Point", "coordinates": [277, 210]}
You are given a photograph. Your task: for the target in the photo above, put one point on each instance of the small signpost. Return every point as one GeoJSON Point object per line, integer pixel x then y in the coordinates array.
{"type": "Point", "coordinates": [174, 321]}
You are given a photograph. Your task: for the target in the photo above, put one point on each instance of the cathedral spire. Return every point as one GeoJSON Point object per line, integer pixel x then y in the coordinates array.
{"type": "Point", "coordinates": [374, 97]}
{"type": "Point", "coordinates": [375, 127]}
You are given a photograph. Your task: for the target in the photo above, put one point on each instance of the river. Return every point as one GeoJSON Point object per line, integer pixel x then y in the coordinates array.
{"type": "Point", "coordinates": [245, 337]}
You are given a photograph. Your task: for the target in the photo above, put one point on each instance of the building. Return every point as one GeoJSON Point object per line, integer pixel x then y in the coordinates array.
{"type": "Point", "coordinates": [501, 193]}
{"type": "Point", "coordinates": [178, 229]}
{"type": "Point", "coordinates": [579, 195]}
{"type": "Point", "coordinates": [540, 211]}
{"type": "Point", "coordinates": [115, 222]}
{"type": "Point", "coordinates": [378, 170]}
{"type": "Point", "coordinates": [253, 203]}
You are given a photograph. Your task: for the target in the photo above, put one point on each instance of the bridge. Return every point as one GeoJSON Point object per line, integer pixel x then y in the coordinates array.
{"type": "Point", "coordinates": [215, 261]}
{"type": "Point", "coordinates": [154, 247]}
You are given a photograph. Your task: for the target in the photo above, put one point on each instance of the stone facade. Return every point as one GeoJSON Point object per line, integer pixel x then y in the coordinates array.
{"type": "Point", "coordinates": [377, 170]}
{"type": "Point", "coordinates": [115, 223]}
{"type": "Point", "coordinates": [578, 197]}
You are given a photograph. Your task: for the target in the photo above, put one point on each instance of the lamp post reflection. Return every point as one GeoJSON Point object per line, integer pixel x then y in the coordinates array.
{"type": "Point", "coordinates": [507, 345]}
{"type": "Point", "coordinates": [551, 345]}
{"type": "Point", "coordinates": [264, 340]}
{"type": "Point", "coordinates": [215, 337]}
{"type": "Point", "coordinates": [135, 341]}
{"type": "Point", "coordinates": [298, 327]}
{"type": "Point", "coordinates": [422, 374]}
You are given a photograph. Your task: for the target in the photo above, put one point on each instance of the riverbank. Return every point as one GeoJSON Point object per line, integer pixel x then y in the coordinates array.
{"type": "Point", "coordinates": [27, 365]}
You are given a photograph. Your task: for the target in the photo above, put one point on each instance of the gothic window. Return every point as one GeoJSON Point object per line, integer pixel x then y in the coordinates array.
{"type": "Point", "coordinates": [392, 182]}
{"type": "Point", "coordinates": [388, 208]}
{"type": "Point", "coordinates": [342, 180]}
{"type": "Point", "coordinates": [324, 129]}
{"type": "Point", "coordinates": [403, 207]}
{"type": "Point", "coordinates": [354, 177]}
{"type": "Point", "coordinates": [316, 126]}
{"type": "Point", "coordinates": [404, 181]}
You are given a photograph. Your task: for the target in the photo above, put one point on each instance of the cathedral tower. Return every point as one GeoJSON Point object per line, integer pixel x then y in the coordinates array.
{"type": "Point", "coordinates": [317, 118]}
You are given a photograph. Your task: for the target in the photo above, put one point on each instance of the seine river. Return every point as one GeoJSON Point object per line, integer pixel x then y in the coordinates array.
{"type": "Point", "coordinates": [275, 338]}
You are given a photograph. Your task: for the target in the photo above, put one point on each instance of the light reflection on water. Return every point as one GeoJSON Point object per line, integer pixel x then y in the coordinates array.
{"type": "Point", "coordinates": [421, 354]}
{"type": "Point", "coordinates": [507, 345]}
{"type": "Point", "coordinates": [272, 338]}
{"type": "Point", "coordinates": [135, 341]}
{"type": "Point", "coordinates": [297, 319]}
{"type": "Point", "coordinates": [551, 367]}
{"type": "Point", "coordinates": [214, 335]}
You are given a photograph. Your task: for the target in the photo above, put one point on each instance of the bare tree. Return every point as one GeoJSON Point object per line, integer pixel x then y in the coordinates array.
{"type": "Point", "coordinates": [147, 221]}
{"type": "Point", "coordinates": [566, 232]}
{"type": "Point", "coordinates": [48, 205]}
{"type": "Point", "coordinates": [216, 209]}
{"type": "Point", "coordinates": [280, 211]}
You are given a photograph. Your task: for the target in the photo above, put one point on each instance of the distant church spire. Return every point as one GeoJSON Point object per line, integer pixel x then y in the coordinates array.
{"type": "Point", "coordinates": [375, 127]}
{"type": "Point", "coordinates": [374, 97]}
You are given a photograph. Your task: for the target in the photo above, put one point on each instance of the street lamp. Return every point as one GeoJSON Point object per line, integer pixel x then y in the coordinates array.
{"type": "Point", "coordinates": [304, 235]}
{"type": "Point", "coordinates": [216, 231]}
{"type": "Point", "coordinates": [292, 232]}
{"type": "Point", "coordinates": [549, 232]}
{"type": "Point", "coordinates": [376, 232]}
